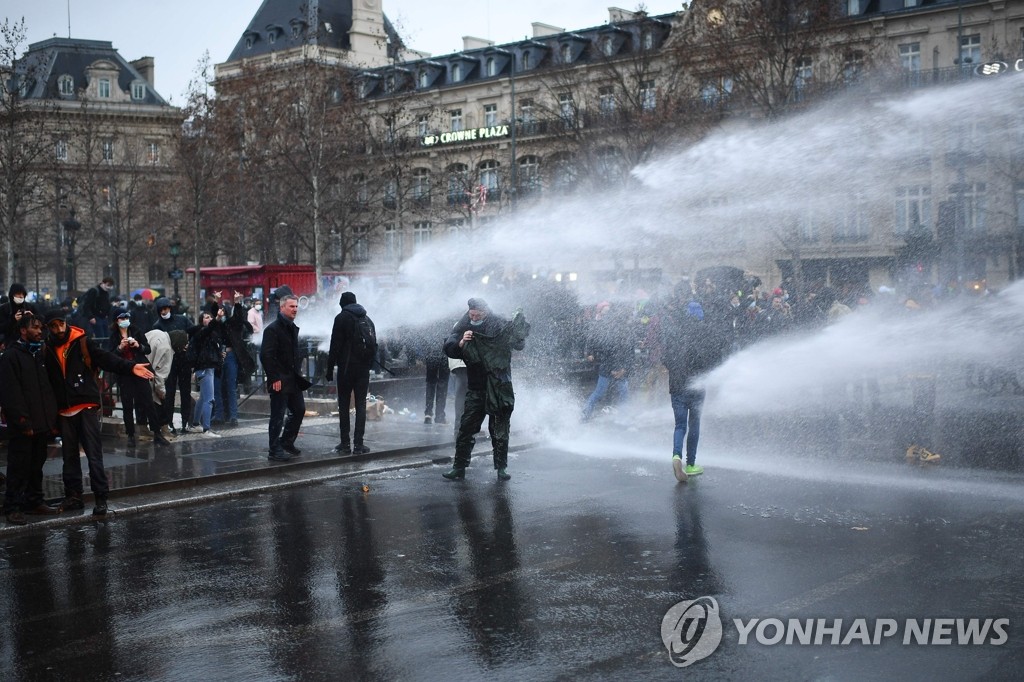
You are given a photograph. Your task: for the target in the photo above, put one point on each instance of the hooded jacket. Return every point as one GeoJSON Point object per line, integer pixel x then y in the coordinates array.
{"type": "Point", "coordinates": [73, 379]}
{"type": "Point", "coordinates": [160, 357]}
{"type": "Point", "coordinates": [342, 334]}
{"type": "Point", "coordinates": [493, 327]}
{"type": "Point", "coordinates": [8, 313]}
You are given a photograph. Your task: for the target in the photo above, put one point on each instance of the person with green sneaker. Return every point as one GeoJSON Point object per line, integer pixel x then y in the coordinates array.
{"type": "Point", "coordinates": [691, 347]}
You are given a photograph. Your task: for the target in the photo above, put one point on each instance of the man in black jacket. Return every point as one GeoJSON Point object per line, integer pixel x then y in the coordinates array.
{"type": "Point", "coordinates": [31, 410]}
{"type": "Point", "coordinates": [691, 347]}
{"type": "Point", "coordinates": [285, 382]}
{"type": "Point", "coordinates": [180, 377]}
{"type": "Point", "coordinates": [95, 308]}
{"type": "Point", "coordinates": [72, 361]}
{"type": "Point", "coordinates": [353, 355]}
{"type": "Point", "coordinates": [11, 312]}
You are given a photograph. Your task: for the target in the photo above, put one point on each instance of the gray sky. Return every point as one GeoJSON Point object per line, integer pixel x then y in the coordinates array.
{"type": "Point", "coordinates": [177, 32]}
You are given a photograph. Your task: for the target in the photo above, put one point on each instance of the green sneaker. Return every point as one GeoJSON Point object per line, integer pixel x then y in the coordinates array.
{"type": "Point", "coordinates": [677, 468]}
{"type": "Point", "coordinates": [694, 470]}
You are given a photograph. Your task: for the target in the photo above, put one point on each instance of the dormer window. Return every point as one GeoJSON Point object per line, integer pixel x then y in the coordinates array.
{"type": "Point", "coordinates": [424, 78]}
{"type": "Point", "coordinates": [648, 40]}
{"type": "Point", "coordinates": [608, 46]}
{"type": "Point", "coordinates": [456, 73]}
{"type": "Point", "coordinates": [492, 69]}
{"type": "Point", "coordinates": [66, 85]}
{"type": "Point", "coordinates": [272, 37]}
{"type": "Point", "coordinates": [138, 90]}
{"type": "Point", "coordinates": [525, 60]}
{"type": "Point", "coordinates": [566, 53]}
{"type": "Point", "coordinates": [389, 84]}
{"type": "Point", "coordinates": [248, 42]}
{"type": "Point", "coordinates": [103, 88]}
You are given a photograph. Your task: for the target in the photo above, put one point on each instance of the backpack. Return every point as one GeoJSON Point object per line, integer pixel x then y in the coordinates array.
{"type": "Point", "coordinates": [363, 346]}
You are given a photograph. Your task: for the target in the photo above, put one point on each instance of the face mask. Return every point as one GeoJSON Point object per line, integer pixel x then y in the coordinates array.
{"type": "Point", "coordinates": [166, 315]}
{"type": "Point", "coordinates": [476, 323]}
{"type": "Point", "coordinates": [259, 307]}
{"type": "Point", "coordinates": [107, 287]}
{"type": "Point", "coordinates": [124, 324]}
{"type": "Point", "coordinates": [18, 300]}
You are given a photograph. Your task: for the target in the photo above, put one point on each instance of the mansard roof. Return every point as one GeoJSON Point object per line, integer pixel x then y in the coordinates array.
{"type": "Point", "coordinates": [47, 61]}
{"type": "Point", "coordinates": [286, 24]}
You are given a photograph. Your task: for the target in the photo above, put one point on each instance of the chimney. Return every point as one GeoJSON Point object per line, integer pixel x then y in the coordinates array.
{"type": "Point", "coordinates": [146, 66]}
{"type": "Point", "coordinates": [471, 43]}
{"type": "Point", "coordinates": [617, 15]}
{"type": "Point", "coordinates": [540, 30]}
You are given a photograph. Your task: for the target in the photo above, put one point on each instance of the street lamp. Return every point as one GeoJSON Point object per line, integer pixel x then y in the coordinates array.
{"type": "Point", "coordinates": [71, 227]}
{"type": "Point", "coordinates": [175, 273]}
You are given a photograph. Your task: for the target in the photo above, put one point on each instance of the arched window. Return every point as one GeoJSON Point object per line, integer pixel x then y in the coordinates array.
{"type": "Point", "coordinates": [421, 186]}
{"type": "Point", "coordinates": [529, 175]}
{"type": "Point", "coordinates": [492, 69]}
{"type": "Point", "coordinates": [458, 184]}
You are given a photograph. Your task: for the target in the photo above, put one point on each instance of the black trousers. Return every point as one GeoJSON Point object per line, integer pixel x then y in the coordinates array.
{"type": "Point", "coordinates": [137, 394]}
{"type": "Point", "coordinates": [499, 426]}
{"type": "Point", "coordinates": [180, 379]}
{"type": "Point", "coordinates": [26, 456]}
{"type": "Point", "coordinates": [437, 388]}
{"type": "Point", "coordinates": [353, 385]}
{"type": "Point", "coordinates": [82, 430]}
{"type": "Point", "coordinates": [294, 405]}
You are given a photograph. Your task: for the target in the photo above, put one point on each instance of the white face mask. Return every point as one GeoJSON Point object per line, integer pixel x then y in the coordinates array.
{"type": "Point", "coordinates": [18, 299]}
{"type": "Point", "coordinates": [124, 324]}
{"type": "Point", "coordinates": [259, 306]}
{"type": "Point", "coordinates": [166, 315]}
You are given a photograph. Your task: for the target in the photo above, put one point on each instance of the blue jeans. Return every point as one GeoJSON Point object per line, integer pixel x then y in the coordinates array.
{"type": "Point", "coordinates": [225, 389]}
{"type": "Point", "coordinates": [686, 407]}
{"type": "Point", "coordinates": [204, 406]}
{"type": "Point", "coordinates": [603, 384]}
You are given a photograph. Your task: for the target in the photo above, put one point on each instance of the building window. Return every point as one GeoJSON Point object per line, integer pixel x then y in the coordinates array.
{"type": "Point", "coordinates": [529, 175]}
{"type": "Point", "coordinates": [66, 85]}
{"type": "Point", "coordinates": [566, 53]}
{"type": "Point", "coordinates": [103, 88]}
{"type": "Point", "coordinates": [913, 208]}
{"type": "Point", "coordinates": [61, 150]}
{"type": "Point", "coordinates": [458, 176]}
{"type": "Point", "coordinates": [489, 178]}
{"type": "Point", "coordinates": [153, 152]}
{"type": "Point", "coordinates": [970, 50]}
{"type": "Point", "coordinates": [424, 78]}
{"type": "Point", "coordinates": [360, 244]}
{"type": "Point", "coordinates": [607, 46]}
{"type": "Point", "coordinates": [248, 42]}
{"type": "Point", "coordinates": [392, 242]}
{"type": "Point", "coordinates": [647, 41]}
{"type": "Point", "coordinates": [715, 91]}
{"type": "Point", "coordinates": [527, 118]}
{"type": "Point", "coordinates": [853, 66]}
{"type": "Point", "coordinates": [456, 115]}
{"type": "Point", "coordinates": [492, 67]}
{"type": "Point", "coordinates": [808, 225]}
{"type": "Point", "coordinates": [490, 115]}
{"type": "Point", "coordinates": [910, 56]}
{"type": "Point", "coordinates": [609, 165]}
{"type": "Point", "coordinates": [423, 124]}
{"type": "Point", "coordinates": [803, 74]}
{"type": "Point", "coordinates": [648, 96]}
{"type": "Point", "coordinates": [421, 186]}
{"type": "Point", "coordinates": [108, 150]}
{"type": "Point", "coordinates": [389, 84]}
{"type": "Point", "coordinates": [272, 37]}
{"type": "Point", "coordinates": [138, 90]}
{"type": "Point", "coordinates": [456, 73]}
{"type": "Point", "coordinates": [525, 59]}
{"type": "Point", "coordinates": [107, 196]}
{"type": "Point", "coordinates": [391, 193]}
{"type": "Point", "coordinates": [362, 191]}
{"type": "Point", "coordinates": [421, 233]}
{"type": "Point", "coordinates": [563, 174]}
{"type": "Point", "coordinates": [606, 101]}
{"type": "Point", "coordinates": [566, 109]}
{"type": "Point", "coordinates": [975, 205]}
{"type": "Point", "coordinates": [456, 225]}
{"type": "Point", "coordinates": [852, 223]}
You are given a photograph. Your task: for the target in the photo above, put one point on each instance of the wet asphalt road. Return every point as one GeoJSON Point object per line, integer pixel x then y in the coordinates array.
{"type": "Point", "coordinates": [564, 573]}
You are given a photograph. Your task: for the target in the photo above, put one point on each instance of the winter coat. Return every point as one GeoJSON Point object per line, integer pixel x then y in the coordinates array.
{"type": "Point", "coordinates": [8, 317]}
{"type": "Point", "coordinates": [691, 347]}
{"type": "Point", "coordinates": [204, 347]}
{"type": "Point", "coordinates": [73, 378]}
{"type": "Point", "coordinates": [233, 331]}
{"type": "Point", "coordinates": [134, 355]}
{"type": "Point", "coordinates": [492, 357]}
{"type": "Point", "coordinates": [95, 304]}
{"type": "Point", "coordinates": [280, 356]}
{"type": "Point", "coordinates": [344, 331]}
{"type": "Point", "coordinates": [25, 391]}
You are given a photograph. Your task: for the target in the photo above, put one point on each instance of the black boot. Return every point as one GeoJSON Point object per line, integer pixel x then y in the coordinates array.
{"type": "Point", "coordinates": [456, 474]}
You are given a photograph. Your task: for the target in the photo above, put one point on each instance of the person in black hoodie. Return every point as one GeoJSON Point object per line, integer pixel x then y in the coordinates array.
{"type": "Point", "coordinates": [692, 346]}
{"type": "Point", "coordinates": [353, 348]}
{"type": "Point", "coordinates": [180, 377]}
{"type": "Point", "coordinates": [129, 342]}
{"type": "Point", "coordinates": [31, 409]}
{"type": "Point", "coordinates": [72, 363]}
{"type": "Point", "coordinates": [11, 312]}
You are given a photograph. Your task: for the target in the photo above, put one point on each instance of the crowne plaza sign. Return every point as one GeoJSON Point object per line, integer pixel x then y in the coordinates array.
{"type": "Point", "coordinates": [469, 135]}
